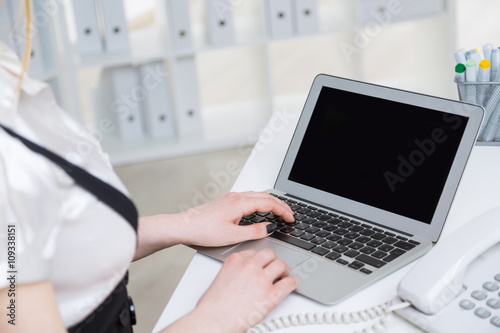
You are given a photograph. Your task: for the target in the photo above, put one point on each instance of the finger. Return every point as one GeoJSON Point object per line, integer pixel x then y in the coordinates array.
{"type": "Point", "coordinates": [239, 233]}
{"type": "Point", "coordinates": [269, 196]}
{"type": "Point", "coordinates": [264, 257]}
{"type": "Point", "coordinates": [251, 204]}
{"type": "Point", "coordinates": [284, 287]}
{"type": "Point", "coordinates": [277, 269]}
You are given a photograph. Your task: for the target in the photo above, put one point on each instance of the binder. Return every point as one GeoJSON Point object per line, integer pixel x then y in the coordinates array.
{"type": "Point", "coordinates": [116, 35]}
{"type": "Point", "coordinates": [158, 115]}
{"type": "Point", "coordinates": [126, 106]}
{"type": "Point", "coordinates": [37, 65]}
{"type": "Point", "coordinates": [306, 16]}
{"type": "Point", "coordinates": [220, 21]}
{"type": "Point", "coordinates": [6, 25]}
{"type": "Point", "coordinates": [188, 110]}
{"type": "Point", "coordinates": [279, 18]}
{"type": "Point", "coordinates": [179, 23]}
{"type": "Point", "coordinates": [89, 36]}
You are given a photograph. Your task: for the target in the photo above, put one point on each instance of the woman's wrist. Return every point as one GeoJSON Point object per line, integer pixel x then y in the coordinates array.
{"type": "Point", "coordinates": [158, 232]}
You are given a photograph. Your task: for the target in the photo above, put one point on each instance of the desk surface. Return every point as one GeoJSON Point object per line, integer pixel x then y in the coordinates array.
{"type": "Point", "coordinates": [478, 192]}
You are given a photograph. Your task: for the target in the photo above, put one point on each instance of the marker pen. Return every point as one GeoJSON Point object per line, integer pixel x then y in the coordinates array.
{"type": "Point", "coordinates": [460, 56]}
{"type": "Point", "coordinates": [487, 51]}
{"type": "Point", "coordinates": [470, 76]}
{"type": "Point", "coordinates": [495, 63]}
{"type": "Point", "coordinates": [460, 73]}
{"type": "Point", "coordinates": [473, 54]}
{"type": "Point", "coordinates": [484, 71]}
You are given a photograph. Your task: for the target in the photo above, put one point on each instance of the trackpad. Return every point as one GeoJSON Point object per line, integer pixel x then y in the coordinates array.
{"type": "Point", "coordinates": [288, 255]}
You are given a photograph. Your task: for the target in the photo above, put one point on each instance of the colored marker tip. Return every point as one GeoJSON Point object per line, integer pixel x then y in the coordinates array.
{"type": "Point", "coordinates": [471, 62]}
{"type": "Point", "coordinates": [484, 64]}
{"type": "Point", "coordinates": [460, 68]}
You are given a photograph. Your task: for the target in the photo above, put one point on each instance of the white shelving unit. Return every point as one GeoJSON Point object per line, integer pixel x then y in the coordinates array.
{"type": "Point", "coordinates": [241, 84]}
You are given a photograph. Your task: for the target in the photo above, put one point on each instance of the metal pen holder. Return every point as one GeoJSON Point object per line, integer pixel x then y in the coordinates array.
{"type": "Point", "coordinates": [486, 94]}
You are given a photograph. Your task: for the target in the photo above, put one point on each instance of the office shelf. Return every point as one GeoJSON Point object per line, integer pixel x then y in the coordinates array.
{"type": "Point", "coordinates": [265, 74]}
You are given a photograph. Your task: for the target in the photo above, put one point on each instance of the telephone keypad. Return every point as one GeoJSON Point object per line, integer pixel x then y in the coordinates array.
{"type": "Point", "coordinates": [490, 286]}
{"type": "Point", "coordinates": [479, 295]}
{"type": "Point", "coordinates": [482, 313]}
{"type": "Point", "coordinates": [485, 302]}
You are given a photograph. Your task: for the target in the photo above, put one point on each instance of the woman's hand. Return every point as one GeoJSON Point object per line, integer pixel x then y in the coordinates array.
{"type": "Point", "coordinates": [216, 223]}
{"type": "Point", "coordinates": [248, 287]}
{"type": "Point", "coordinates": [212, 224]}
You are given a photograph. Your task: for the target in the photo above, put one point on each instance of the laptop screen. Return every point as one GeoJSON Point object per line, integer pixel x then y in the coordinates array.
{"type": "Point", "coordinates": [382, 153]}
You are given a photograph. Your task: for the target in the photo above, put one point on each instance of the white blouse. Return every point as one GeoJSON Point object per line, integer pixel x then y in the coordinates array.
{"type": "Point", "coordinates": [62, 233]}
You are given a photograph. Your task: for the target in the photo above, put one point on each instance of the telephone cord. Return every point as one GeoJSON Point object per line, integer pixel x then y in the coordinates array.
{"type": "Point", "coordinates": [335, 318]}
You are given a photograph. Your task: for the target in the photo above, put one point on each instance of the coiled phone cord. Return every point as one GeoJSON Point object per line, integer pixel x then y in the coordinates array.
{"type": "Point", "coordinates": [379, 311]}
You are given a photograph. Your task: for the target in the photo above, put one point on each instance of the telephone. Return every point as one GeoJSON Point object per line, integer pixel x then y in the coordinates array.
{"type": "Point", "coordinates": [454, 288]}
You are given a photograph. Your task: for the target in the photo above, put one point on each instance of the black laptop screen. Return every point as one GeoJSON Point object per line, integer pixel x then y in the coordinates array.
{"type": "Point", "coordinates": [382, 153]}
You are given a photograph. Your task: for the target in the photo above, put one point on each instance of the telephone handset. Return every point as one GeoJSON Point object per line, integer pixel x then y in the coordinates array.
{"type": "Point", "coordinates": [454, 288]}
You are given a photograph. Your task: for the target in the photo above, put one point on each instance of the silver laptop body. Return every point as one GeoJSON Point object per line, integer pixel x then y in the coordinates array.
{"type": "Point", "coordinates": [369, 160]}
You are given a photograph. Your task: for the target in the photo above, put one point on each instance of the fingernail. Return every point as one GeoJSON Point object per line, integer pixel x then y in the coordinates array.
{"type": "Point", "coordinates": [271, 228]}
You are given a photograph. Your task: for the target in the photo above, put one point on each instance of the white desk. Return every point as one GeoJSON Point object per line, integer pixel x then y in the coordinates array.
{"type": "Point", "coordinates": [478, 192]}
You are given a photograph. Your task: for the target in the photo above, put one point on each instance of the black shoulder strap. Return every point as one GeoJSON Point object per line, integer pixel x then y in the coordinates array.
{"type": "Point", "coordinates": [115, 199]}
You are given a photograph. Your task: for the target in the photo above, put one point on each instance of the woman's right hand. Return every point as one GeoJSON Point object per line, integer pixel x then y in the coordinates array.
{"type": "Point", "coordinates": [248, 287]}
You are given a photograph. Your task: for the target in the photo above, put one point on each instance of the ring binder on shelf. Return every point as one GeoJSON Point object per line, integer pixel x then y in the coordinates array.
{"type": "Point", "coordinates": [87, 26]}
{"type": "Point", "coordinates": [220, 21]}
{"type": "Point", "coordinates": [306, 16]}
{"type": "Point", "coordinates": [179, 23]}
{"type": "Point", "coordinates": [116, 38]}
{"type": "Point", "coordinates": [158, 115]}
{"type": "Point", "coordinates": [279, 18]}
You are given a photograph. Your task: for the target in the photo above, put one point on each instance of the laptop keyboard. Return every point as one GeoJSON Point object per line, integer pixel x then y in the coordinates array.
{"type": "Point", "coordinates": [348, 242]}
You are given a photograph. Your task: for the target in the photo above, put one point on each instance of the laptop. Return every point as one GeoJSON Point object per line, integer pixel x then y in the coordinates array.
{"type": "Point", "coordinates": [371, 173]}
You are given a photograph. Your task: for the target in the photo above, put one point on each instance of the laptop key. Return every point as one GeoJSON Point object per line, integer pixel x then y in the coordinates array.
{"type": "Point", "coordinates": [245, 222]}
{"type": "Point", "coordinates": [374, 243]}
{"type": "Point", "coordinates": [301, 226]}
{"type": "Point", "coordinates": [342, 261]}
{"type": "Point", "coordinates": [318, 240]}
{"type": "Point", "coordinates": [367, 250]}
{"type": "Point", "coordinates": [370, 261]}
{"type": "Point", "coordinates": [344, 241]}
{"type": "Point", "coordinates": [309, 220]}
{"type": "Point", "coordinates": [292, 240]}
{"type": "Point", "coordinates": [404, 245]}
{"type": "Point", "coordinates": [363, 239]}
{"type": "Point", "coordinates": [389, 240]}
{"type": "Point", "coordinates": [356, 246]}
{"type": "Point", "coordinates": [307, 237]}
{"type": "Point", "coordinates": [379, 254]}
{"type": "Point", "coordinates": [333, 238]}
{"type": "Point", "coordinates": [378, 236]}
{"type": "Point", "coordinates": [340, 231]}
{"type": "Point", "coordinates": [299, 217]}
{"type": "Point", "coordinates": [319, 250]}
{"type": "Point", "coordinates": [323, 233]}
{"type": "Point", "coordinates": [367, 232]}
{"type": "Point", "coordinates": [333, 256]}
{"type": "Point", "coordinates": [312, 230]}
{"type": "Point", "coordinates": [330, 228]}
{"type": "Point", "coordinates": [384, 248]}
{"type": "Point", "coordinates": [297, 233]}
{"type": "Point", "coordinates": [319, 224]}
{"type": "Point", "coordinates": [340, 248]}
{"type": "Point", "coordinates": [329, 244]}
{"type": "Point", "coordinates": [286, 229]}
{"type": "Point", "coordinates": [356, 265]}
{"type": "Point", "coordinates": [351, 235]}
{"type": "Point", "coordinates": [314, 214]}
{"type": "Point", "coordinates": [351, 253]}
{"type": "Point", "coordinates": [366, 271]}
